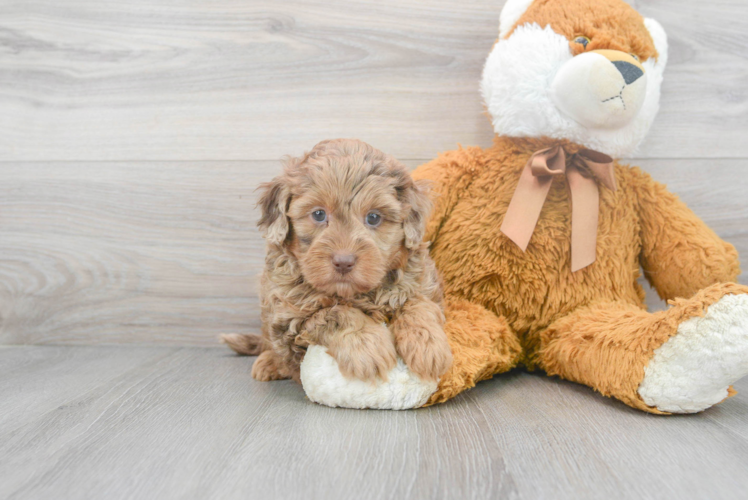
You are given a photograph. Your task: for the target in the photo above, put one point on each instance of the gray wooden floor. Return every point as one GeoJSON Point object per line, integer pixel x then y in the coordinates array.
{"type": "Point", "coordinates": [168, 422]}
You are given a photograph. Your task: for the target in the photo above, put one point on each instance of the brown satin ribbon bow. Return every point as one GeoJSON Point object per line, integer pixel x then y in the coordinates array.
{"type": "Point", "coordinates": [535, 182]}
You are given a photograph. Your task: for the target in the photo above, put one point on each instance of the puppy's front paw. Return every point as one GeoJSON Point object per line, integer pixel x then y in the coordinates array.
{"type": "Point", "coordinates": [269, 366]}
{"type": "Point", "coordinates": [424, 349]}
{"type": "Point", "coordinates": [365, 355]}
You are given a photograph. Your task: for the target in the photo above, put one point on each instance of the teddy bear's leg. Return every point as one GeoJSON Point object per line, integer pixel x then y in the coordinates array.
{"type": "Point", "coordinates": [681, 360]}
{"type": "Point", "coordinates": [482, 345]}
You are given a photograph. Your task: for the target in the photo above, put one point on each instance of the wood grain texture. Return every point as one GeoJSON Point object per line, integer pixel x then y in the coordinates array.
{"type": "Point", "coordinates": [190, 423]}
{"type": "Point", "coordinates": [168, 253]}
{"type": "Point", "coordinates": [58, 375]}
{"type": "Point", "coordinates": [123, 80]}
{"type": "Point", "coordinates": [129, 251]}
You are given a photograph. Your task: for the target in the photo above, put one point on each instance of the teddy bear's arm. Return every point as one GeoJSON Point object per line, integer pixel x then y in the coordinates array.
{"type": "Point", "coordinates": [450, 174]}
{"type": "Point", "coordinates": [680, 253]}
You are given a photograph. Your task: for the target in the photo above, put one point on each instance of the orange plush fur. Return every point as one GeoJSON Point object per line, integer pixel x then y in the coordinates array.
{"type": "Point", "coordinates": [609, 24]}
{"type": "Point", "coordinates": [505, 307]}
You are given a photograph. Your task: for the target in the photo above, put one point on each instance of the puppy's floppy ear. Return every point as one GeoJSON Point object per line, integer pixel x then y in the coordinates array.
{"type": "Point", "coordinates": [276, 196]}
{"type": "Point", "coordinates": [414, 224]}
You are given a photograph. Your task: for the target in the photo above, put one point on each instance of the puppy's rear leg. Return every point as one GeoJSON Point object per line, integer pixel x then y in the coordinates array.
{"type": "Point", "coordinates": [245, 344]}
{"type": "Point", "coordinates": [270, 366]}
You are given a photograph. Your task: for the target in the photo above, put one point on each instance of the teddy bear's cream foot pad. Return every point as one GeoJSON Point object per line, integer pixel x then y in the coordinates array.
{"type": "Point", "coordinates": [693, 370]}
{"type": "Point", "coordinates": [324, 384]}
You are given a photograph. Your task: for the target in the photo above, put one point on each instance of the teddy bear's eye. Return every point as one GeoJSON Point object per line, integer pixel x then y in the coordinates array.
{"type": "Point", "coordinates": [582, 40]}
{"type": "Point", "coordinates": [634, 56]}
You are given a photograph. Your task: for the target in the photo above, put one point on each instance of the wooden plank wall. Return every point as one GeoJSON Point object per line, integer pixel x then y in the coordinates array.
{"type": "Point", "coordinates": [133, 133]}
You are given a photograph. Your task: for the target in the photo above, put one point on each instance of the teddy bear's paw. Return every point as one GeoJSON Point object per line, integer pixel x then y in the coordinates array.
{"type": "Point", "coordinates": [694, 369]}
{"type": "Point", "coordinates": [325, 384]}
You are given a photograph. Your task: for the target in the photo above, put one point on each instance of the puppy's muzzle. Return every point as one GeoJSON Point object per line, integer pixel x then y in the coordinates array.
{"type": "Point", "coordinates": [343, 262]}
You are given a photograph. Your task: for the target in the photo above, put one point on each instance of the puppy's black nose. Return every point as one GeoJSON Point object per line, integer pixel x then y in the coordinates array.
{"type": "Point", "coordinates": [629, 72]}
{"type": "Point", "coordinates": [344, 262]}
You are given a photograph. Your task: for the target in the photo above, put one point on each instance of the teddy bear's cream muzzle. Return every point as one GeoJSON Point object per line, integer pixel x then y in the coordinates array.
{"type": "Point", "coordinates": [600, 88]}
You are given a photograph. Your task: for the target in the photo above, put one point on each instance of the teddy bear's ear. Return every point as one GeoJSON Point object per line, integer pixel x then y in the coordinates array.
{"type": "Point", "coordinates": [510, 14]}
{"type": "Point", "coordinates": [657, 32]}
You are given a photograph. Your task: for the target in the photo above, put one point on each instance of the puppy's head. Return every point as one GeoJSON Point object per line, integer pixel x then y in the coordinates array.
{"type": "Point", "coordinates": [347, 212]}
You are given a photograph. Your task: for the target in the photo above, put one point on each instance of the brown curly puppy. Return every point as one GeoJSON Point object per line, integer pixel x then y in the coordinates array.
{"type": "Point", "coordinates": [346, 268]}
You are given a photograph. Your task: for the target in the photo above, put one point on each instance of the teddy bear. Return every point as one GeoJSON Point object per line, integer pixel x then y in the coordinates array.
{"type": "Point", "coordinates": [540, 238]}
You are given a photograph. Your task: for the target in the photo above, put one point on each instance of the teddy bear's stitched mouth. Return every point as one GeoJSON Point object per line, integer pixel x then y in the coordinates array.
{"type": "Point", "coordinates": [619, 96]}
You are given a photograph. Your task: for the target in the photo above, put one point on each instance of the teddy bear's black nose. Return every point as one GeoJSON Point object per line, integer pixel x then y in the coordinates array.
{"type": "Point", "coordinates": [629, 72]}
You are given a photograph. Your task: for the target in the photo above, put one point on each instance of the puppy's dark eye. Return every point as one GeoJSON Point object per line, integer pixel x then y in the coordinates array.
{"type": "Point", "coordinates": [319, 215]}
{"type": "Point", "coordinates": [634, 56]}
{"type": "Point", "coordinates": [582, 40]}
{"type": "Point", "coordinates": [373, 219]}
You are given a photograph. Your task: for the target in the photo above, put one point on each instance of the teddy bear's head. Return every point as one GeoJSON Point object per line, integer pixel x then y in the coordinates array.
{"type": "Point", "coordinates": [587, 71]}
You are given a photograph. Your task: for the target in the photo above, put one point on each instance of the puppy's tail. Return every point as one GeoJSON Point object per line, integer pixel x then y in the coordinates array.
{"type": "Point", "coordinates": [245, 344]}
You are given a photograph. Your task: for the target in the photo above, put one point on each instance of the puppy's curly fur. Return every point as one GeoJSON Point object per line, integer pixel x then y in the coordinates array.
{"type": "Point", "coordinates": [346, 268]}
